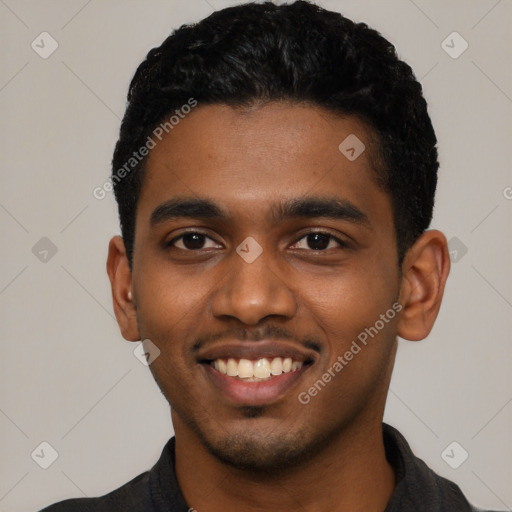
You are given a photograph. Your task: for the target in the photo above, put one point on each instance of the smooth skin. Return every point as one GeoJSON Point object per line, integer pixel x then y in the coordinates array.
{"type": "Point", "coordinates": [195, 290]}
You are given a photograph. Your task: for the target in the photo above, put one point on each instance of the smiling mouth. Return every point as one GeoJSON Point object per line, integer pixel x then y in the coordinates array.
{"type": "Point", "coordinates": [259, 370]}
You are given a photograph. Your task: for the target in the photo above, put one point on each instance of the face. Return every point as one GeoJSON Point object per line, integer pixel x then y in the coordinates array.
{"type": "Point", "coordinates": [262, 254]}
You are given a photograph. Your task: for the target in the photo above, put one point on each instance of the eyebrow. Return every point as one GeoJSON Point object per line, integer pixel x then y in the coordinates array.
{"type": "Point", "coordinates": [308, 207]}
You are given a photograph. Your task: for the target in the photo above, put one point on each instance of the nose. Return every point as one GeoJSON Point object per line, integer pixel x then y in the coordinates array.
{"type": "Point", "coordinates": [253, 291]}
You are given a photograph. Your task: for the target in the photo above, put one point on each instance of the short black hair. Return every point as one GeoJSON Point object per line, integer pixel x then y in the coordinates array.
{"type": "Point", "coordinates": [259, 52]}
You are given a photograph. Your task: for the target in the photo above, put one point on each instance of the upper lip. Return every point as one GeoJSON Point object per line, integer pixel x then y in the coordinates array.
{"type": "Point", "coordinates": [255, 350]}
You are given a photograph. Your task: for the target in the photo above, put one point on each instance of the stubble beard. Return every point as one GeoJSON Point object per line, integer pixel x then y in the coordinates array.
{"type": "Point", "coordinates": [265, 453]}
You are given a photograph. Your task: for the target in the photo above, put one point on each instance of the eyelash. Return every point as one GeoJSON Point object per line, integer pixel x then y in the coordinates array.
{"type": "Point", "coordinates": [342, 243]}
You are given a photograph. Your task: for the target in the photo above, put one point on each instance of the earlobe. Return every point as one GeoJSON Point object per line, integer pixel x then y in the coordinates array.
{"type": "Point", "coordinates": [120, 276]}
{"type": "Point", "coordinates": [424, 273]}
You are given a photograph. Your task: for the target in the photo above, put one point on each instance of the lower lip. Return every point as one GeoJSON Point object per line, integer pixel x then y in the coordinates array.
{"type": "Point", "coordinates": [254, 393]}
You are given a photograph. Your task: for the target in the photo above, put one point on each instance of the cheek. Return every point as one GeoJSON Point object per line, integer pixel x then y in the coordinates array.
{"type": "Point", "coordinates": [359, 341]}
{"type": "Point", "coordinates": [170, 314]}
{"type": "Point", "coordinates": [351, 300]}
{"type": "Point", "coordinates": [359, 349]}
{"type": "Point", "coordinates": [171, 306]}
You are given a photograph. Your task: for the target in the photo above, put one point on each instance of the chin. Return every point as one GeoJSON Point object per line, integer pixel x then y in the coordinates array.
{"type": "Point", "coordinates": [244, 452]}
{"type": "Point", "coordinates": [260, 450]}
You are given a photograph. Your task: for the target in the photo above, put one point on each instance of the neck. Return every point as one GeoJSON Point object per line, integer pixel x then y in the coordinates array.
{"type": "Point", "coordinates": [350, 474]}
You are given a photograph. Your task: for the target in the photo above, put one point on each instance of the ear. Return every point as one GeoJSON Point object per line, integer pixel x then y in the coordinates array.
{"type": "Point", "coordinates": [120, 276]}
{"type": "Point", "coordinates": [424, 272]}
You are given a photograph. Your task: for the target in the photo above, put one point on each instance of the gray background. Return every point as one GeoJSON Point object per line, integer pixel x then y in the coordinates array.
{"type": "Point", "coordinates": [67, 376]}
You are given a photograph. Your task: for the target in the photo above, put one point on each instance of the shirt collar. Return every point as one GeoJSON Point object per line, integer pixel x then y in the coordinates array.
{"type": "Point", "coordinates": [417, 487]}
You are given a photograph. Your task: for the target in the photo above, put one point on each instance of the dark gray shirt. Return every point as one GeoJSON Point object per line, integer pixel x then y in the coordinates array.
{"type": "Point", "coordinates": [418, 488]}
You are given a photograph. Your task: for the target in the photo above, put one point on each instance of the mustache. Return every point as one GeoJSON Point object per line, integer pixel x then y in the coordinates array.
{"type": "Point", "coordinates": [267, 332]}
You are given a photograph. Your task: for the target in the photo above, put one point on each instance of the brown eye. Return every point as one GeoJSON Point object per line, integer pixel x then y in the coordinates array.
{"type": "Point", "coordinates": [192, 241]}
{"type": "Point", "coordinates": [318, 241]}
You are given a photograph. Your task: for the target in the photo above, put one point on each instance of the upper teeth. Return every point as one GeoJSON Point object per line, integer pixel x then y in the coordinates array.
{"type": "Point", "coordinates": [260, 369]}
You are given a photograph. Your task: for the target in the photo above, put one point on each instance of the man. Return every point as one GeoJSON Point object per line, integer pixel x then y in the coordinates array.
{"type": "Point", "coordinates": [275, 177]}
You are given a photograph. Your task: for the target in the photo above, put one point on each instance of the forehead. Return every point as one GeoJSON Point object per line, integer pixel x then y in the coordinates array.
{"type": "Point", "coordinates": [250, 160]}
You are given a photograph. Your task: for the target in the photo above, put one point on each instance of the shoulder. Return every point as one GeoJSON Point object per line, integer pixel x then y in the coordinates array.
{"type": "Point", "coordinates": [132, 496]}
{"type": "Point", "coordinates": [418, 487]}
{"type": "Point", "coordinates": [151, 491]}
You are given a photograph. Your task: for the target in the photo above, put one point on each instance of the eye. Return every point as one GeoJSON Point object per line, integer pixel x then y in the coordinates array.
{"type": "Point", "coordinates": [318, 241]}
{"type": "Point", "coordinates": [192, 241]}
